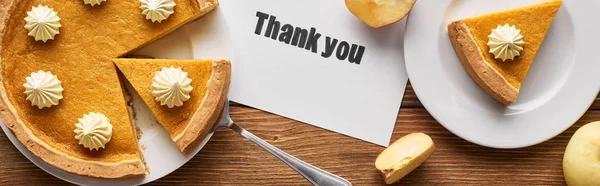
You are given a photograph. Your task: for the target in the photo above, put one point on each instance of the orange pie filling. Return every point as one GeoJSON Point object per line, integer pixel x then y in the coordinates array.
{"type": "Point", "coordinates": [140, 72]}
{"type": "Point", "coordinates": [80, 56]}
{"type": "Point", "coordinates": [542, 15]}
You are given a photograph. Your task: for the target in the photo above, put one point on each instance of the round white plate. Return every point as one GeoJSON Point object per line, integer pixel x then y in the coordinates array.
{"type": "Point", "coordinates": [205, 38]}
{"type": "Point", "coordinates": [560, 86]}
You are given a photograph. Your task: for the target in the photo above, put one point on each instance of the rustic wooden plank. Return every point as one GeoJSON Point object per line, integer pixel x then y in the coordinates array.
{"type": "Point", "coordinates": [15, 169]}
{"type": "Point", "coordinates": [410, 99]}
{"type": "Point", "coordinates": [229, 159]}
{"type": "Point", "coordinates": [596, 104]}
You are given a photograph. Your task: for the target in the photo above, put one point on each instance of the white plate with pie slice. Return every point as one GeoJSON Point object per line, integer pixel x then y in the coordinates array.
{"type": "Point", "coordinates": [205, 38]}
{"type": "Point", "coordinates": [560, 86]}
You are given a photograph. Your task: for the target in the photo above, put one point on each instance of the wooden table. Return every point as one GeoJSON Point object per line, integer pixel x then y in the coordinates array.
{"type": "Point", "coordinates": [229, 159]}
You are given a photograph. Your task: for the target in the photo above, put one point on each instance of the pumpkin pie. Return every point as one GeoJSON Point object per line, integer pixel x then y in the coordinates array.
{"type": "Point", "coordinates": [501, 79]}
{"type": "Point", "coordinates": [80, 56]}
{"type": "Point", "coordinates": [189, 123]}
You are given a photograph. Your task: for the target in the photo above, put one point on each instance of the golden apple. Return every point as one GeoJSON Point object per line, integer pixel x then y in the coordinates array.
{"type": "Point", "coordinates": [581, 162]}
{"type": "Point", "coordinates": [378, 13]}
{"type": "Point", "coordinates": [404, 156]}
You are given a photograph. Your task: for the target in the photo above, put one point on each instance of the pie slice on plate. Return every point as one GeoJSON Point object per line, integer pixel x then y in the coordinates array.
{"type": "Point", "coordinates": [80, 58]}
{"type": "Point", "coordinates": [189, 123]}
{"type": "Point", "coordinates": [502, 78]}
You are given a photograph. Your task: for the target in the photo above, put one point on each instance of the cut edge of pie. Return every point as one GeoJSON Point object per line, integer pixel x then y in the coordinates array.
{"type": "Point", "coordinates": [10, 117]}
{"type": "Point", "coordinates": [204, 117]}
{"type": "Point", "coordinates": [486, 76]}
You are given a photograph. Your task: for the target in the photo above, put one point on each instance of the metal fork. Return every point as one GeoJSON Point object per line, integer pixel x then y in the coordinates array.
{"type": "Point", "coordinates": [313, 174]}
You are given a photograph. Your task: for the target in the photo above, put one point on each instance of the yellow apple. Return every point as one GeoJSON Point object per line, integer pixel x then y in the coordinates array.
{"type": "Point", "coordinates": [378, 13]}
{"type": "Point", "coordinates": [581, 162]}
{"type": "Point", "coordinates": [404, 156]}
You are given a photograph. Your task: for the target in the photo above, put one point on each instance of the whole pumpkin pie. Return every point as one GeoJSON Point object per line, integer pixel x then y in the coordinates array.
{"type": "Point", "coordinates": [190, 122]}
{"type": "Point", "coordinates": [502, 78]}
{"type": "Point", "coordinates": [80, 56]}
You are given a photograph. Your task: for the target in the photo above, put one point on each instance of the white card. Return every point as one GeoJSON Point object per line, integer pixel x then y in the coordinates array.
{"type": "Point", "coordinates": [318, 64]}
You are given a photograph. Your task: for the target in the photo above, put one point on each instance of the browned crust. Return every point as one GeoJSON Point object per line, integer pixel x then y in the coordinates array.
{"type": "Point", "coordinates": [486, 76]}
{"type": "Point", "coordinates": [207, 5]}
{"type": "Point", "coordinates": [41, 149]}
{"type": "Point", "coordinates": [210, 109]}
{"type": "Point", "coordinates": [11, 119]}
{"type": "Point", "coordinates": [127, 168]}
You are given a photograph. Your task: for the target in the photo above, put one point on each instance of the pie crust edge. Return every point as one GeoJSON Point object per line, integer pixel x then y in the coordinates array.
{"type": "Point", "coordinates": [209, 112]}
{"type": "Point", "coordinates": [486, 76]}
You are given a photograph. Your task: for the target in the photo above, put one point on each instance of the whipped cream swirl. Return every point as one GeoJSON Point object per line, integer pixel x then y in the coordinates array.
{"type": "Point", "coordinates": [43, 89]}
{"type": "Point", "coordinates": [171, 86]}
{"type": "Point", "coordinates": [43, 23]}
{"type": "Point", "coordinates": [93, 131]}
{"type": "Point", "coordinates": [157, 10]}
{"type": "Point", "coordinates": [93, 2]}
{"type": "Point", "coordinates": [506, 42]}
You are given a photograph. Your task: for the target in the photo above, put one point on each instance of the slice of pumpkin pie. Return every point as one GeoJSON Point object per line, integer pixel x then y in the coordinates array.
{"type": "Point", "coordinates": [60, 93]}
{"type": "Point", "coordinates": [185, 96]}
{"type": "Point", "coordinates": [497, 49]}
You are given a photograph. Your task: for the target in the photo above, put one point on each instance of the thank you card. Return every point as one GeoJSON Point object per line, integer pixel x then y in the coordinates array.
{"type": "Point", "coordinates": [315, 62]}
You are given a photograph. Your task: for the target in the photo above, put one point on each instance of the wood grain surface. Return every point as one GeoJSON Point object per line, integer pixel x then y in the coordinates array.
{"type": "Point", "coordinates": [229, 159]}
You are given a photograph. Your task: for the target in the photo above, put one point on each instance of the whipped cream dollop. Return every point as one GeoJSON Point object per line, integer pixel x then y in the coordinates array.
{"type": "Point", "coordinates": [157, 10]}
{"type": "Point", "coordinates": [43, 23]}
{"type": "Point", "coordinates": [93, 131]}
{"type": "Point", "coordinates": [171, 86]}
{"type": "Point", "coordinates": [93, 2]}
{"type": "Point", "coordinates": [506, 42]}
{"type": "Point", "coordinates": [43, 89]}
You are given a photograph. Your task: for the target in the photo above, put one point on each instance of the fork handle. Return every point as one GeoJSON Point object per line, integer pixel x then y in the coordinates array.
{"type": "Point", "coordinates": [313, 174]}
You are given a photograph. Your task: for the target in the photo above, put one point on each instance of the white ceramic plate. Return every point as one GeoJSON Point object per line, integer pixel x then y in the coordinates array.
{"type": "Point", "coordinates": [196, 40]}
{"type": "Point", "coordinates": [560, 86]}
